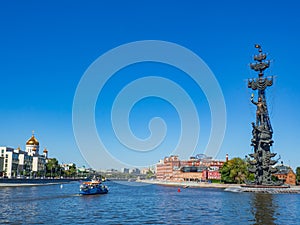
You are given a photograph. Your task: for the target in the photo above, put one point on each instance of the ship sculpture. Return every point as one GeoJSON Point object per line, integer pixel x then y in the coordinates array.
{"type": "Point", "coordinates": [261, 160]}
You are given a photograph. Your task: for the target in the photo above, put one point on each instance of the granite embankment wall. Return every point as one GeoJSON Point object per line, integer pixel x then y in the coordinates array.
{"type": "Point", "coordinates": [25, 182]}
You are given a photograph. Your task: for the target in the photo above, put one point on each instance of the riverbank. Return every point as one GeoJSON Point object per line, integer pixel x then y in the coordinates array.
{"type": "Point", "coordinates": [226, 187]}
{"type": "Point", "coordinates": [189, 184]}
{"type": "Point", "coordinates": [33, 182]}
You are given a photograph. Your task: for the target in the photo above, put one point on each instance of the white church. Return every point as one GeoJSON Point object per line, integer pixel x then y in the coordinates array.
{"type": "Point", "coordinates": [18, 163]}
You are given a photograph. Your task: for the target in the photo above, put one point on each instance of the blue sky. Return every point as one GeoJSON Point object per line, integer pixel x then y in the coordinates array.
{"type": "Point", "coordinates": [46, 47]}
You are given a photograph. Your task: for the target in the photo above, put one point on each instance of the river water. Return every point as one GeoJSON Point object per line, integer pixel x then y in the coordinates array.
{"type": "Point", "coordinates": [128, 203]}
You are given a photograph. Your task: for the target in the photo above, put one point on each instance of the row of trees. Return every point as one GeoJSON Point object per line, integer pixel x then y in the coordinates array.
{"type": "Point", "coordinates": [53, 169]}
{"type": "Point", "coordinates": [236, 171]}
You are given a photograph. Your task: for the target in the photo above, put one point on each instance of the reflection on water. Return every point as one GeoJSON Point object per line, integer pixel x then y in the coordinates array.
{"type": "Point", "coordinates": [264, 209]}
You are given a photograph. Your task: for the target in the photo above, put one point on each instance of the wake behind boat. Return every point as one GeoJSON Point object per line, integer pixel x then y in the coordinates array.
{"type": "Point", "coordinates": [92, 187]}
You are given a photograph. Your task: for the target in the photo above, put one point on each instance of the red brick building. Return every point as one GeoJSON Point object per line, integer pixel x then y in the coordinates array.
{"type": "Point", "coordinates": [286, 174]}
{"type": "Point", "coordinates": [165, 168]}
{"type": "Point", "coordinates": [194, 169]}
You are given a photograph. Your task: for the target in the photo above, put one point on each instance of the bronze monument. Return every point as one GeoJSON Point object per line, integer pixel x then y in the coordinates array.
{"type": "Point", "coordinates": [261, 163]}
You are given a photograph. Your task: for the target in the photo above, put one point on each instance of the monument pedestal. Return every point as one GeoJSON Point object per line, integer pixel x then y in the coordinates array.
{"type": "Point", "coordinates": [265, 189]}
{"type": "Point", "coordinates": [263, 186]}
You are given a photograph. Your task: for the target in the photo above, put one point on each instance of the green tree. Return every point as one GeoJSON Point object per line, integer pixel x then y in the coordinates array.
{"type": "Point", "coordinates": [298, 174]}
{"type": "Point", "coordinates": [149, 174]}
{"type": "Point", "coordinates": [71, 172]}
{"type": "Point", "coordinates": [235, 171]}
{"type": "Point", "coordinates": [52, 168]}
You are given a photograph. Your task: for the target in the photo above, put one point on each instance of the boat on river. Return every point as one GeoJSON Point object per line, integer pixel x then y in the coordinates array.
{"type": "Point", "coordinates": [92, 187]}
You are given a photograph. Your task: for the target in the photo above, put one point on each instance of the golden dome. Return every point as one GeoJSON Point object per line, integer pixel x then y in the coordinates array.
{"type": "Point", "coordinates": [45, 150]}
{"type": "Point", "coordinates": [32, 141]}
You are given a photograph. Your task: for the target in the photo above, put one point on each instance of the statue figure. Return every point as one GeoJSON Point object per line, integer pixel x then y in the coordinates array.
{"type": "Point", "coordinates": [260, 111]}
{"type": "Point", "coordinates": [254, 135]}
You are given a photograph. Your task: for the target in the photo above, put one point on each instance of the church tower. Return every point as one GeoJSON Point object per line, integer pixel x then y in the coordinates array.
{"type": "Point", "coordinates": [45, 153]}
{"type": "Point", "coordinates": [32, 146]}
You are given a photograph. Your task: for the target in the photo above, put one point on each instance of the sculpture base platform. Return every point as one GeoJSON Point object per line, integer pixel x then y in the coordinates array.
{"type": "Point", "coordinates": [265, 189]}
{"type": "Point", "coordinates": [263, 186]}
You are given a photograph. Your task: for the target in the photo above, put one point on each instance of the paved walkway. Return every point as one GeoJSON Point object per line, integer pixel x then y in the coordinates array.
{"type": "Point", "coordinates": [227, 187]}
{"type": "Point", "coordinates": [189, 184]}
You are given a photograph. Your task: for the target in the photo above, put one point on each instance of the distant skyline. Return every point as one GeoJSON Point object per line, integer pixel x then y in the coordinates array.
{"type": "Point", "coordinates": [46, 47]}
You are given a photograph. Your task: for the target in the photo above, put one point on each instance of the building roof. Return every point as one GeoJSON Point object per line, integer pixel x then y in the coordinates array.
{"type": "Point", "coordinates": [282, 169]}
{"type": "Point", "coordinates": [32, 141]}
